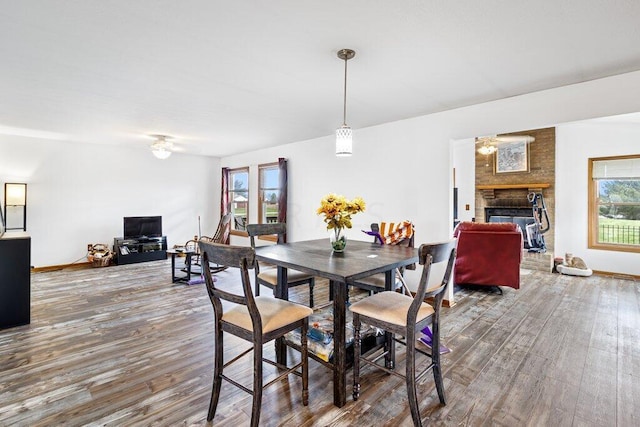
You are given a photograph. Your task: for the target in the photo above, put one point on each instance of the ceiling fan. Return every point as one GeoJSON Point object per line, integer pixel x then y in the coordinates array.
{"type": "Point", "coordinates": [164, 145]}
{"type": "Point", "coordinates": [488, 144]}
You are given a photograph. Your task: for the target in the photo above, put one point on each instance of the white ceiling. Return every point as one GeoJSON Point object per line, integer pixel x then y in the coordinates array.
{"type": "Point", "coordinates": [226, 77]}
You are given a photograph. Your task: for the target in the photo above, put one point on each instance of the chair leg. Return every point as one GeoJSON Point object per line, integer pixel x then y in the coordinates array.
{"type": "Point", "coordinates": [312, 283]}
{"type": "Point", "coordinates": [435, 358]}
{"type": "Point", "coordinates": [218, 363]}
{"type": "Point", "coordinates": [411, 378]}
{"type": "Point", "coordinates": [356, 356]}
{"type": "Point", "coordinates": [257, 288]}
{"type": "Point", "coordinates": [257, 382]}
{"type": "Point", "coordinates": [305, 362]}
{"type": "Point", "coordinates": [389, 348]}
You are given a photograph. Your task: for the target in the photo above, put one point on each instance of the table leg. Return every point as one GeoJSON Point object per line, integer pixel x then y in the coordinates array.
{"type": "Point", "coordinates": [339, 350]}
{"type": "Point", "coordinates": [173, 268]}
{"type": "Point", "coordinates": [389, 345]}
{"type": "Point", "coordinates": [188, 255]}
{"type": "Point", "coordinates": [282, 292]}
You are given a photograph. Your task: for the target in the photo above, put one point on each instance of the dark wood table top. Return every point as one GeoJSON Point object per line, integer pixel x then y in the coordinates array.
{"type": "Point", "coordinates": [181, 251]}
{"type": "Point", "coordinates": [360, 259]}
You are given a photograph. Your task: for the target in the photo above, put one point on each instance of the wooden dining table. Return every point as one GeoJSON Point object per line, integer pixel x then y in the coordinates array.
{"type": "Point", "coordinates": [359, 260]}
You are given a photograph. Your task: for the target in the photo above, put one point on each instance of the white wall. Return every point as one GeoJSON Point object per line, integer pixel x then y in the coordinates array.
{"type": "Point", "coordinates": [464, 162]}
{"type": "Point", "coordinates": [394, 181]}
{"type": "Point", "coordinates": [404, 169]}
{"type": "Point", "coordinates": [79, 193]}
{"type": "Point", "coordinates": [575, 144]}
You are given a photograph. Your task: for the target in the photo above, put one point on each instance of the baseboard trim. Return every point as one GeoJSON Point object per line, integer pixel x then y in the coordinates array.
{"type": "Point", "coordinates": [75, 266]}
{"type": "Point", "coordinates": [445, 302]}
{"type": "Point", "coordinates": [616, 275]}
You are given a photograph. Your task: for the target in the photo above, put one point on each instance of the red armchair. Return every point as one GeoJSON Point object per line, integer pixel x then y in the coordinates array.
{"type": "Point", "coordinates": [488, 254]}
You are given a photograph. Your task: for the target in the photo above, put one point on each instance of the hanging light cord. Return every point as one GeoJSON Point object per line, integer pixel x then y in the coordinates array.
{"type": "Point", "coordinates": [344, 114]}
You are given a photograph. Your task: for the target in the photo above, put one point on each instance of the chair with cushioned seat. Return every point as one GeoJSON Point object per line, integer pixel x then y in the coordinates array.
{"type": "Point", "coordinates": [257, 320]}
{"type": "Point", "coordinates": [401, 234]}
{"type": "Point", "coordinates": [488, 254]}
{"type": "Point", "coordinates": [405, 316]}
{"type": "Point", "coordinates": [269, 276]}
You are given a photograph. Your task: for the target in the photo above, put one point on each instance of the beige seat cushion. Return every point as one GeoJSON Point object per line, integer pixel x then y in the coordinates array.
{"type": "Point", "coordinates": [271, 276]}
{"type": "Point", "coordinates": [275, 313]}
{"type": "Point", "coordinates": [391, 307]}
{"type": "Point", "coordinates": [412, 277]}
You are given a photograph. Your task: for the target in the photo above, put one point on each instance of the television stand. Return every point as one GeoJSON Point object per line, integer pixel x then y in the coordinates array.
{"type": "Point", "coordinates": [141, 249]}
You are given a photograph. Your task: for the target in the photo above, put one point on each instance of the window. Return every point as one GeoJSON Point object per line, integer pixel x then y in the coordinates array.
{"type": "Point", "coordinates": [269, 193]}
{"type": "Point", "coordinates": [614, 203]}
{"type": "Point", "coordinates": [239, 198]}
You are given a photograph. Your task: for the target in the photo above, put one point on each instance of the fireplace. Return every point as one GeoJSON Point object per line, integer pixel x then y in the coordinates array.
{"type": "Point", "coordinates": [522, 216]}
{"type": "Point", "coordinates": [502, 190]}
{"type": "Point", "coordinates": [498, 213]}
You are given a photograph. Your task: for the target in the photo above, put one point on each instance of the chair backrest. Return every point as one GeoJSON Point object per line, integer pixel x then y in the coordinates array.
{"type": "Point", "coordinates": [241, 257]}
{"type": "Point", "coordinates": [278, 229]}
{"type": "Point", "coordinates": [224, 229]}
{"type": "Point", "coordinates": [428, 255]}
{"type": "Point", "coordinates": [400, 234]}
{"type": "Point", "coordinates": [192, 245]}
{"type": "Point", "coordinates": [493, 227]}
{"type": "Point", "coordinates": [404, 235]}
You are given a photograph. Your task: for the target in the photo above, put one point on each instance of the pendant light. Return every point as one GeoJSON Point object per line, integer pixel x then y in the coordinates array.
{"type": "Point", "coordinates": [344, 141]}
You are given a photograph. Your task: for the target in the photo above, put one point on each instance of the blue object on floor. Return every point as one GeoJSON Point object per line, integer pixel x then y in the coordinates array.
{"type": "Point", "coordinates": [196, 281]}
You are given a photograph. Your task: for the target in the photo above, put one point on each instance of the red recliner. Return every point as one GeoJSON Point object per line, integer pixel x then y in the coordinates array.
{"type": "Point", "coordinates": [488, 254]}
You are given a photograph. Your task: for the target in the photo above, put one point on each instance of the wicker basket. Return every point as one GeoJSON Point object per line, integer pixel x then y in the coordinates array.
{"type": "Point", "coordinates": [99, 255]}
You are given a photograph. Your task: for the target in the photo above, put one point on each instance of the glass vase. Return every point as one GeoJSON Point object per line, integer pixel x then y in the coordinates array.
{"type": "Point", "coordinates": [338, 239]}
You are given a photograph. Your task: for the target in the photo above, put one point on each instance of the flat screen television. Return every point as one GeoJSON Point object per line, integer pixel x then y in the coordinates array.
{"type": "Point", "coordinates": [142, 226]}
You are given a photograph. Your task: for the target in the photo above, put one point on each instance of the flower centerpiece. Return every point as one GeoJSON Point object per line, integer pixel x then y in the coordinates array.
{"type": "Point", "coordinates": [337, 211]}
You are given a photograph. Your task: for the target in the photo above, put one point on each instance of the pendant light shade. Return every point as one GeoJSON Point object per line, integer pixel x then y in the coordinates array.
{"type": "Point", "coordinates": [344, 139]}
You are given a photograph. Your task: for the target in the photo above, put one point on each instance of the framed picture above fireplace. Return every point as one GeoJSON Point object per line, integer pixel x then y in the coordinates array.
{"type": "Point", "coordinates": [512, 157]}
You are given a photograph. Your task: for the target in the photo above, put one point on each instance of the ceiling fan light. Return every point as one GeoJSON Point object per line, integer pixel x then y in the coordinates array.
{"type": "Point", "coordinates": [161, 148]}
{"type": "Point", "coordinates": [161, 153]}
{"type": "Point", "coordinates": [485, 150]}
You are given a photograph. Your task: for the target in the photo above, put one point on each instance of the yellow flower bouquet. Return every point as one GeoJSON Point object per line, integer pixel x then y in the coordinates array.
{"type": "Point", "coordinates": [337, 211]}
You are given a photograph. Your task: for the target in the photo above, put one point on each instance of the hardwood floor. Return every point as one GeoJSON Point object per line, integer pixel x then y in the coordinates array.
{"type": "Point", "coordinates": [123, 346]}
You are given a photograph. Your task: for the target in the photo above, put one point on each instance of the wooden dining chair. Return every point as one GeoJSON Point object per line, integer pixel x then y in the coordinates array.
{"type": "Point", "coordinates": [405, 316]}
{"type": "Point", "coordinates": [257, 320]}
{"type": "Point", "coordinates": [404, 237]}
{"type": "Point", "coordinates": [269, 276]}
